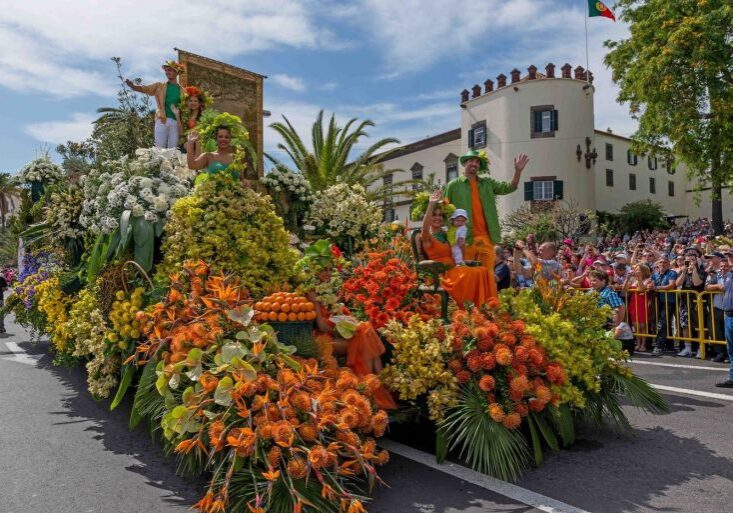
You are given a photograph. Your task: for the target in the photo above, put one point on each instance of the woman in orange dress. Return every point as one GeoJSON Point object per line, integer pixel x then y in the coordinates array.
{"type": "Point", "coordinates": [463, 283]}
{"type": "Point", "coordinates": [363, 349]}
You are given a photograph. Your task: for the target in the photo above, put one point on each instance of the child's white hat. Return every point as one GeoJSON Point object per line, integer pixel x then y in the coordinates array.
{"type": "Point", "coordinates": [459, 213]}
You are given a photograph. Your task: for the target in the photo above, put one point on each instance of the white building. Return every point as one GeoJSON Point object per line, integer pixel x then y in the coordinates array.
{"type": "Point", "coordinates": [550, 118]}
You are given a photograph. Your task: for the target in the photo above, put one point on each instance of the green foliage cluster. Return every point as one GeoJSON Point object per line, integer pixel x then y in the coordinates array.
{"type": "Point", "coordinates": [234, 229]}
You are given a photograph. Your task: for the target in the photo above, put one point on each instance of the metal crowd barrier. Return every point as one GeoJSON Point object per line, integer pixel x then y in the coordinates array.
{"type": "Point", "coordinates": [684, 315]}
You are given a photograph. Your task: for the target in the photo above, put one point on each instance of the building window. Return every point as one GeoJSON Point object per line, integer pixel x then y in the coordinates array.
{"type": "Point", "coordinates": [477, 135]}
{"type": "Point", "coordinates": [387, 180]}
{"type": "Point", "coordinates": [652, 185]}
{"type": "Point", "coordinates": [390, 214]}
{"type": "Point", "coordinates": [670, 188]}
{"type": "Point", "coordinates": [652, 163]}
{"type": "Point", "coordinates": [543, 121]}
{"type": "Point", "coordinates": [451, 167]}
{"type": "Point", "coordinates": [609, 177]}
{"type": "Point", "coordinates": [543, 191]}
{"type": "Point", "coordinates": [631, 158]}
{"type": "Point", "coordinates": [632, 182]}
{"type": "Point", "coordinates": [416, 171]}
{"type": "Point", "coordinates": [609, 151]}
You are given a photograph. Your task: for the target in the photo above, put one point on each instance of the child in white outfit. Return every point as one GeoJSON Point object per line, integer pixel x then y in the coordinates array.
{"type": "Point", "coordinates": [459, 219]}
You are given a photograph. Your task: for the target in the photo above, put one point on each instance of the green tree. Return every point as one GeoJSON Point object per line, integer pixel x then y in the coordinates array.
{"type": "Point", "coordinates": [676, 73]}
{"type": "Point", "coordinates": [9, 194]}
{"type": "Point", "coordinates": [329, 161]}
{"type": "Point", "coordinates": [641, 215]}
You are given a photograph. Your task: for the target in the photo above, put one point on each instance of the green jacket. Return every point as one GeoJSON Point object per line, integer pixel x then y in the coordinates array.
{"type": "Point", "coordinates": [458, 192]}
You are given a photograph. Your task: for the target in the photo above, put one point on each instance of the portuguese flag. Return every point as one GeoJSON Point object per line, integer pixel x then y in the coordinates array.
{"type": "Point", "coordinates": [598, 8]}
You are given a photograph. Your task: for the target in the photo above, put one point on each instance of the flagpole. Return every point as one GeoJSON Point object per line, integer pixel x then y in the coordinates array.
{"type": "Point", "coordinates": [587, 71]}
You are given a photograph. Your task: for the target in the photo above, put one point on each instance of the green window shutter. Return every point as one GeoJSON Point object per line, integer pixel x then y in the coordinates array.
{"type": "Point", "coordinates": [557, 189]}
{"type": "Point", "coordinates": [528, 191]}
{"type": "Point", "coordinates": [470, 138]}
{"type": "Point", "coordinates": [537, 121]}
{"type": "Point", "coordinates": [553, 119]}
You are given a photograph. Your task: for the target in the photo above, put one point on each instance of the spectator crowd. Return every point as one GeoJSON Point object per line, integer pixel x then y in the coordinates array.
{"type": "Point", "coordinates": [653, 281]}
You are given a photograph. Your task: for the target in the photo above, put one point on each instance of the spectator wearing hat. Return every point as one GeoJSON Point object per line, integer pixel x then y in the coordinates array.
{"type": "Point", "coordinates": [477, 196]}
{"type": "Point", "coordinates": [167, 97]}
{"type": "Point", "coordinates": [458, 219]}
{"type": "Point", "coordinates": [663, 279]}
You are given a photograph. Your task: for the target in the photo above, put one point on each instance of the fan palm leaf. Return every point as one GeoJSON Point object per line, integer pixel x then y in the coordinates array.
{"type": "Point", "coordinates": [329, 162]}
{"type": "Point", "coordinates": [488, 446]}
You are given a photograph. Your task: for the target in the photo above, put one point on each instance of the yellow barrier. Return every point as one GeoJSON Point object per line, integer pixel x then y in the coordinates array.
{"type": "Point", "coordinates": [686, 315]}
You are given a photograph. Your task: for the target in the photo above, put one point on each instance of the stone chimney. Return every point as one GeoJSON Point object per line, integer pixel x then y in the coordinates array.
{"type": "Point", "coordinates": [550, 70]}
{"type": "Point", "coordinates": [566, 69]}
{"type": "Point", "coordinates": [476, 91]}
{"type": "Point", "coordinates": [488, 86]}
{"type": "Point", "coordinates": [464, 96]}
{"type": "Point", "coordinates": [532, 72]}
{"type": "Point", "coordinates": [501, 81]}
{"type": "Point", "coordinates": [515, 75]}
{"type": "Point", "coordinates": [580, 73]}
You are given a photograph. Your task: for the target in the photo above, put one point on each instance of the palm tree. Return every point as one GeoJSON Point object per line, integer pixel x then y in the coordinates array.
{"type": "Point", "coordinates": [9, 190]}
{"type": "Point", "coordinates": [329, 161]}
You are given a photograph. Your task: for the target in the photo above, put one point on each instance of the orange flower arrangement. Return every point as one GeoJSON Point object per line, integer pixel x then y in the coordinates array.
{"type": "Point", "coordinates": [384, 289]}
{"type": "Point", "coordinates": [237, 401]}
{"type": "Point", "coordinates": [493, 351]}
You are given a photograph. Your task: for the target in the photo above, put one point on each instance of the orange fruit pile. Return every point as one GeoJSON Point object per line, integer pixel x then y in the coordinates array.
{"type": "Point", "coordinates": [284, 307]}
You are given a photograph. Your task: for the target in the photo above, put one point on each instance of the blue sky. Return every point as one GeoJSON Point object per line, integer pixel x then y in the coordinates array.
{"type": "Point", "coordinates": [400, 63]}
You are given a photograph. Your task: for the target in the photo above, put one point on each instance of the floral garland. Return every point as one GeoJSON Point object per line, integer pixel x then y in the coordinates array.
{"type": "Point", "coordinates": [234, 399]}
{"type": "Point", "coordinates": [420, 350]}
{"type": "Point", "coordinates": [420, 206]}
{"type": "Point", "coordinates": [207, 126]}
{"type": "Point", "coordinates": [41, 170]}
{"type": "Point", "coordinates": [147, 186]}
{"type": "Point", "coordinates": [384, 289]}
{"type": "Point", "coordinates": [343, 214]}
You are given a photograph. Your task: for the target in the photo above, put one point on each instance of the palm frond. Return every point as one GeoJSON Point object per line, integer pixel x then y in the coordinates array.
{"type": "Point", "coordinates": [640, 393]}
{"type": "Point", "coordinates": [488, 447]}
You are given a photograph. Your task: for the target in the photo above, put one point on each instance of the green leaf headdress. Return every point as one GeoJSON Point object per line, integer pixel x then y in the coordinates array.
{"type": "Point", "coordinates": [420, 206]}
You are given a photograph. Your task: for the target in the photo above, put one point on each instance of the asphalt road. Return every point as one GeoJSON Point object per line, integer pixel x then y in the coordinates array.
{"type": "Point", "coordinates": [63, 452]}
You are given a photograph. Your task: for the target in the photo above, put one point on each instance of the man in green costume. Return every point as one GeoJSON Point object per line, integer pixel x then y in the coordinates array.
{"type": "Point", "coordinates": [167, 97]}
{"type": "Point", "coordinates": [477, 196]}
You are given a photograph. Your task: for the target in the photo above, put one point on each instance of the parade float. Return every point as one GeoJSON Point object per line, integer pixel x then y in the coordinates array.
{"type": "Point", "coordinates": [199, 304]}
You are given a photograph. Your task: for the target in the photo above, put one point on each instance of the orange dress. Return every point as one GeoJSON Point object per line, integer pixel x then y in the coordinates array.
{"type": "Point", "coordinates": [482, 248]}
{"type": "Point", "coordinates": [364, 346]}
{"type": "Point", "coordinates": [463, 283]}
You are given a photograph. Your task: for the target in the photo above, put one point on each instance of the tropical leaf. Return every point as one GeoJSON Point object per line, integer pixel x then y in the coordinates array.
{"type": "Point", "coordinates": [488, 447]}
{"type": "Point", "coordinates": [125, 382]}
{"type": "Point", "coordinates": [143, 234]}
{"type": "Point", "coordinates": [148, 403]}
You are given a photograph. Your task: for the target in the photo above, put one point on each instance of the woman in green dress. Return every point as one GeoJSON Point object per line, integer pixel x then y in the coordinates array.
{"type": "Point", "coordinates": [213, 162]}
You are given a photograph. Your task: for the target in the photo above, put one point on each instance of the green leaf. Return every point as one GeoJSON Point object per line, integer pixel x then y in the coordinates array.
{"type": "Point", "coordinates": [194, 355]}
{"type": "Point", "coordinates": [95, 259]}
{"type": "Point", "coordinates": [144, 237]}
{"type": "Point", "coordinates": [441, 446]}
{"type": "Point", "coordinates": [546, 431]}
{"type": "Point", "coordinates": [113, 245]}
{"type": "Point", "coordinates": [125, 230]}
{"type": "Point", "coordinates": [242, 315]}
{"type": "Point", "coordinates": [179, 412]}
{"type": "Point", "coordinates": [221, 394]}
{"type": "Point", "coordinates": [162, 385]}
{"type": "Point", "coordinates": [249, 372]}
{"type": "Point", "coordinates": [536, 443]}
{"type": "Point", "coordinates": [159, 225]}
{"type": "Point", "coordinates": [232, 350]}
{"type": "Point", "coordinates": [127, 376]}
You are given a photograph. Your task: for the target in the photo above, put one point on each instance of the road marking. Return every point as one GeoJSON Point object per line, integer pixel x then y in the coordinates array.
{"type": "Point", "coordinates": [687, 391]}
{"type": "Point", "coordinates": [660, 364]}
{"type": "Point", "coordinates": [19, 355]}
{"type": "Point", "coordinates": [508, 490]}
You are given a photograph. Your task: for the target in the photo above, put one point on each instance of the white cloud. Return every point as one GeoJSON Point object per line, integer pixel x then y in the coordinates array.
{"type": "Point", "coordinates": [289, 82]}
{"type": "Point", "coordinates": [52, 42]}
{"type": "Point", "coordinates": [329, 86]}
{"type": "Point", "coordinates": [78, 128]}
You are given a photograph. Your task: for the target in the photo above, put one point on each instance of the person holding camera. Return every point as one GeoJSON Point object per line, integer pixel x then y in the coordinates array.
{"type": "Point", "coordinates": [690, 281]}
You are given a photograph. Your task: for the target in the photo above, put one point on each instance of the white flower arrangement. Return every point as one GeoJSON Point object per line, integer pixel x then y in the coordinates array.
{"type": "Point", "coordinates": [147, 186]}
{"type": "Point", "coordinates": [294, 185]}
{"type": "Point", "coordinates": [342, 211]}
{"type": "Point", "coordinates": [41, 170]}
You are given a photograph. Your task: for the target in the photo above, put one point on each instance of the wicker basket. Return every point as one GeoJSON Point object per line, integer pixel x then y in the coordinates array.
{"type": "Point", "coordinates": [298, 334]}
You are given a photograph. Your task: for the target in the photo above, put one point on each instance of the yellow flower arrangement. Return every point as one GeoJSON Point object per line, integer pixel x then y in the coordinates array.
{"type": "Point", "coordinates": [419, 364]}
{"type": "Point", "coordinates": [54, 304]}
